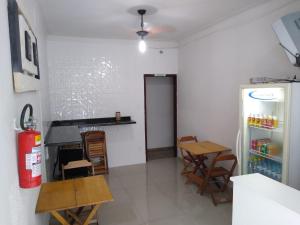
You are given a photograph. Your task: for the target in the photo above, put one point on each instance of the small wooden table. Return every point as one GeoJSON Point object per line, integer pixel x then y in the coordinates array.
{"type": "Point", "coordinates": [201, 148]}
{"type": "Point", "coordinates": [73, 194]}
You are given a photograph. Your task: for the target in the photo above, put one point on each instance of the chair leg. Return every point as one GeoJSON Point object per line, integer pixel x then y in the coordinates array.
{"type": "Point", "coordinates": [63, 172]}
{"type": "Point", "coordinates": [213, 199]}
{"type": "Point", "coordinates": [226, 181]}
{"type": "Point", "coordinates": [93, 170]}
{"type": "Point", "coordinates": [204, 186]}
{"type": "Point", "coordinates": [211, 193]}
{"type": "Point", "coordinates": [183, 172]}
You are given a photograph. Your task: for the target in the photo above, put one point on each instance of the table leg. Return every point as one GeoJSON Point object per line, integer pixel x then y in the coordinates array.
{"type": "Point", "coordinates": [192, 177]}
{"type": "Point", "coordinates": [77, 213]}
{"type": "Point", "coordinates": [74, 217]}
{"type": "Point", "coordinates": [198, 163]}
{"type": "Point", "coordinates": [91, 215]}
{"type": "Point", "coordinates": [59, 218]}
{"type": "Point", "coordinates": [56, 162]}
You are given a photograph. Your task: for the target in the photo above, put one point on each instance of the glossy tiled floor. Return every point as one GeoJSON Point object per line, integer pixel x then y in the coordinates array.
{"type": "Point", "coordinates": [156, 194]}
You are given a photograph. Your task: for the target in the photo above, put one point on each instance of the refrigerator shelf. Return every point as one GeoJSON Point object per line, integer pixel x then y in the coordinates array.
{"type": "Point", "coordinates": [274, 158]}
{"type": "Point", "coordinates": [267, 129]}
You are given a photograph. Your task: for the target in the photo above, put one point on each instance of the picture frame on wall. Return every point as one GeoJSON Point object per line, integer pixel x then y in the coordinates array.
{"type": "Point", "coordinates": [24, 50]}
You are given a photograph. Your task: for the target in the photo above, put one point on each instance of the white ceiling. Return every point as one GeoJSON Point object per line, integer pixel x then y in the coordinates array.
{"type": "Point", "coordinates": [112, 18]}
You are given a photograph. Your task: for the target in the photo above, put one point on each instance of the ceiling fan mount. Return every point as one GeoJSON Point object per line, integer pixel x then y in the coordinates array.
{"type": "Point", "coordinates": [142, 33]}
{"type": "Point", "coordinates": [141, 11]}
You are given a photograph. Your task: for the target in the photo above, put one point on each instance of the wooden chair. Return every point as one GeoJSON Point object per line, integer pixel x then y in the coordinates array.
{"type": "Point", "coordinates": [75, 164]}
{"type": "Point", "coordinates": [215, 172]}
{"type": "Point", "coordinates": [95, 147]}
{"type": "Point", "coordinates": [189, 160]}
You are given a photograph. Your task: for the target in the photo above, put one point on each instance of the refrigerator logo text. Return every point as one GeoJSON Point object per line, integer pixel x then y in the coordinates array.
{"type": "Point", "coordinates": [262, 95]}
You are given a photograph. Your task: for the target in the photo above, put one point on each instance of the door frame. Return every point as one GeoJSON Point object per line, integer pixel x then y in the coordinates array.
{"type": "Point", "coordinates": [174, 79]}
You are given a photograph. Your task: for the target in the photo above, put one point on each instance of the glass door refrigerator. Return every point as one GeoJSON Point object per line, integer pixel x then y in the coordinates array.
{"type": "Point", "coordinates": [268, 140]}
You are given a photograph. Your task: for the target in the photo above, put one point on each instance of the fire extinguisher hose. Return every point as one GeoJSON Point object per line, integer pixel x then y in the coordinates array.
{"type": "Point", "coordinates": [22, 122]}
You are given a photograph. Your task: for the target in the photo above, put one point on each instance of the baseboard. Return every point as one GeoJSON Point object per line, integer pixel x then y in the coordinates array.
{"type": "Point", "coordinates": [161, 149]}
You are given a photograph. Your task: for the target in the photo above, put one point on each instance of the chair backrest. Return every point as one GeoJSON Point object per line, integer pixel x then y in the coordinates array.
{"type": "Point", "coordinates": [95, 143]}
{"type": "Point", "coordinates": [187, 139]}
{"type": "Point", "coordinates": [224, 158]}
{"type": "Point", "coordinates": [94, 135]}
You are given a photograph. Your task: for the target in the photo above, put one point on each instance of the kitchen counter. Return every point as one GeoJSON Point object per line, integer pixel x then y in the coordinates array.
{"type": "Point", "coordinates": [63, 132]}
{"type": "Point", "coordinates": [63, 135]}
{"type": "Point", "coordinates": [108, 121]}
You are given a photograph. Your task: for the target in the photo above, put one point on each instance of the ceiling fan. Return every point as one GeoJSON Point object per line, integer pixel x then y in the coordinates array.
{"type": "Point", "coordinates": [147, 29]}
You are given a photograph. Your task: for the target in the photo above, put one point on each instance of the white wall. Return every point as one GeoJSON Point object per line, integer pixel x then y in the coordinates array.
{"type": "Point", "coordinates": [213, 63]}
{"type": "Point", "coordinates": [17, 206]}
{"type": "Point", "coordinates": [160, 112]}
{"type": "Point", "coordinates": [92, 78]}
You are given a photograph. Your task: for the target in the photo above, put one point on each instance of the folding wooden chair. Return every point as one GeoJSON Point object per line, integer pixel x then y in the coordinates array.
{"type": "Point", "coordinates": [215, 172]}
{"type": "Point", "coordinates": [189, 161]}
{"type": "Point", "coordinates": [76, 163]}
{"type": "Point", "coordinates": [95, 146]}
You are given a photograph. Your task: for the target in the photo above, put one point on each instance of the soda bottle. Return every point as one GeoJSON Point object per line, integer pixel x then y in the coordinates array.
{"type": "Point", "coordinates": [264, 121]}
{"type": "Point", "coordinates": [263, 149]}
{"type": "Point", "coordinates": [253, 120]}
{"type": "Point", "coordinates": [275, 122]}
{"type": "Point", "coordinates": [253, 144]}
{"type": "Point", "coordinates": [270, 122]}
{"type": "Point", "coordinates": [250, 169]}
{"type": "Point", "coordinates": [258, 120]}
{"type": "Point", "coordinates": [250, 119]}
{"type": "Point", "coordinates": [259, 166]}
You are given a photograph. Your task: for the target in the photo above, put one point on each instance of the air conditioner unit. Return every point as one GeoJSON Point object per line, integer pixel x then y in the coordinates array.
{"type": "Point", "coordinates": [288, 33]}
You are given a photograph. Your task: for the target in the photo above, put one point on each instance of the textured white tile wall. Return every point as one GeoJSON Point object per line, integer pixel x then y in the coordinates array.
{"type": "Point", "coordinates": [95, 78]}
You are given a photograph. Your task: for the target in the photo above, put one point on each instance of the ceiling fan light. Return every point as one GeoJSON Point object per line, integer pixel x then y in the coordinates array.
{"type": "Point", "coordinates": [142, 33]}
{"type": "Point", "coordinates": [142, 46]}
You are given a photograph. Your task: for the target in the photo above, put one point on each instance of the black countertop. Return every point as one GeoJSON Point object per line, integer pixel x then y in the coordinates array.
{"type": "Point", "coordinates": [63, 132]}
{"type": "Point", "coordinates": [108, 121]}
{"type": "Point", "coordinates": [63, 135]}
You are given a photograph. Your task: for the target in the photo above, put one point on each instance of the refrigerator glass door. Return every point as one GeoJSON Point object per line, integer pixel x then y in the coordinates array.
{"type": "Point", "coordinates": [263, 131]}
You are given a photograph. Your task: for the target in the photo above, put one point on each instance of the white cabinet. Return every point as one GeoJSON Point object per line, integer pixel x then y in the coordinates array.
{"type": "Point", "coordinates": [259, 200]}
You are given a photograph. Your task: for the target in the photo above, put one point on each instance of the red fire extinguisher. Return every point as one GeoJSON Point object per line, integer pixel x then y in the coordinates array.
{"type": "Point", "coordinates": [29, 152]}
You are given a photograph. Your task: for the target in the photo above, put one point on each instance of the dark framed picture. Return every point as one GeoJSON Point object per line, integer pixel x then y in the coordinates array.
{"type": "Point", "coordinates": [24, 50]}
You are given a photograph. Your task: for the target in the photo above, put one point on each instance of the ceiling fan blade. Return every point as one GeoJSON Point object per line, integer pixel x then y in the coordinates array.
{"type": "Point", "coordinates": [160, 29]}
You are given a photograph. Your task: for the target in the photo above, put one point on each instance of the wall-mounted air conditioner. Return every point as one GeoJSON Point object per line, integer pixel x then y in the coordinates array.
{"type": "Point", "coordinates": [288, 33]}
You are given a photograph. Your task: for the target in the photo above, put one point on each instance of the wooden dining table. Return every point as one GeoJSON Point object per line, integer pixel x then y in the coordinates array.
{"type": "Point", "coordinates": [73, 194]}
{"type": "Point", "coordinates": [202, 148]}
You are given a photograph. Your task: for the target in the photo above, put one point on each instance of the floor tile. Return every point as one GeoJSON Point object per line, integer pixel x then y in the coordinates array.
{"type": "Point", "coordinates": [178, 220]}
{"type": "Point", "coordinates": [155, 193]}
{"type": "Point", "coordinates": [119, 213]}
